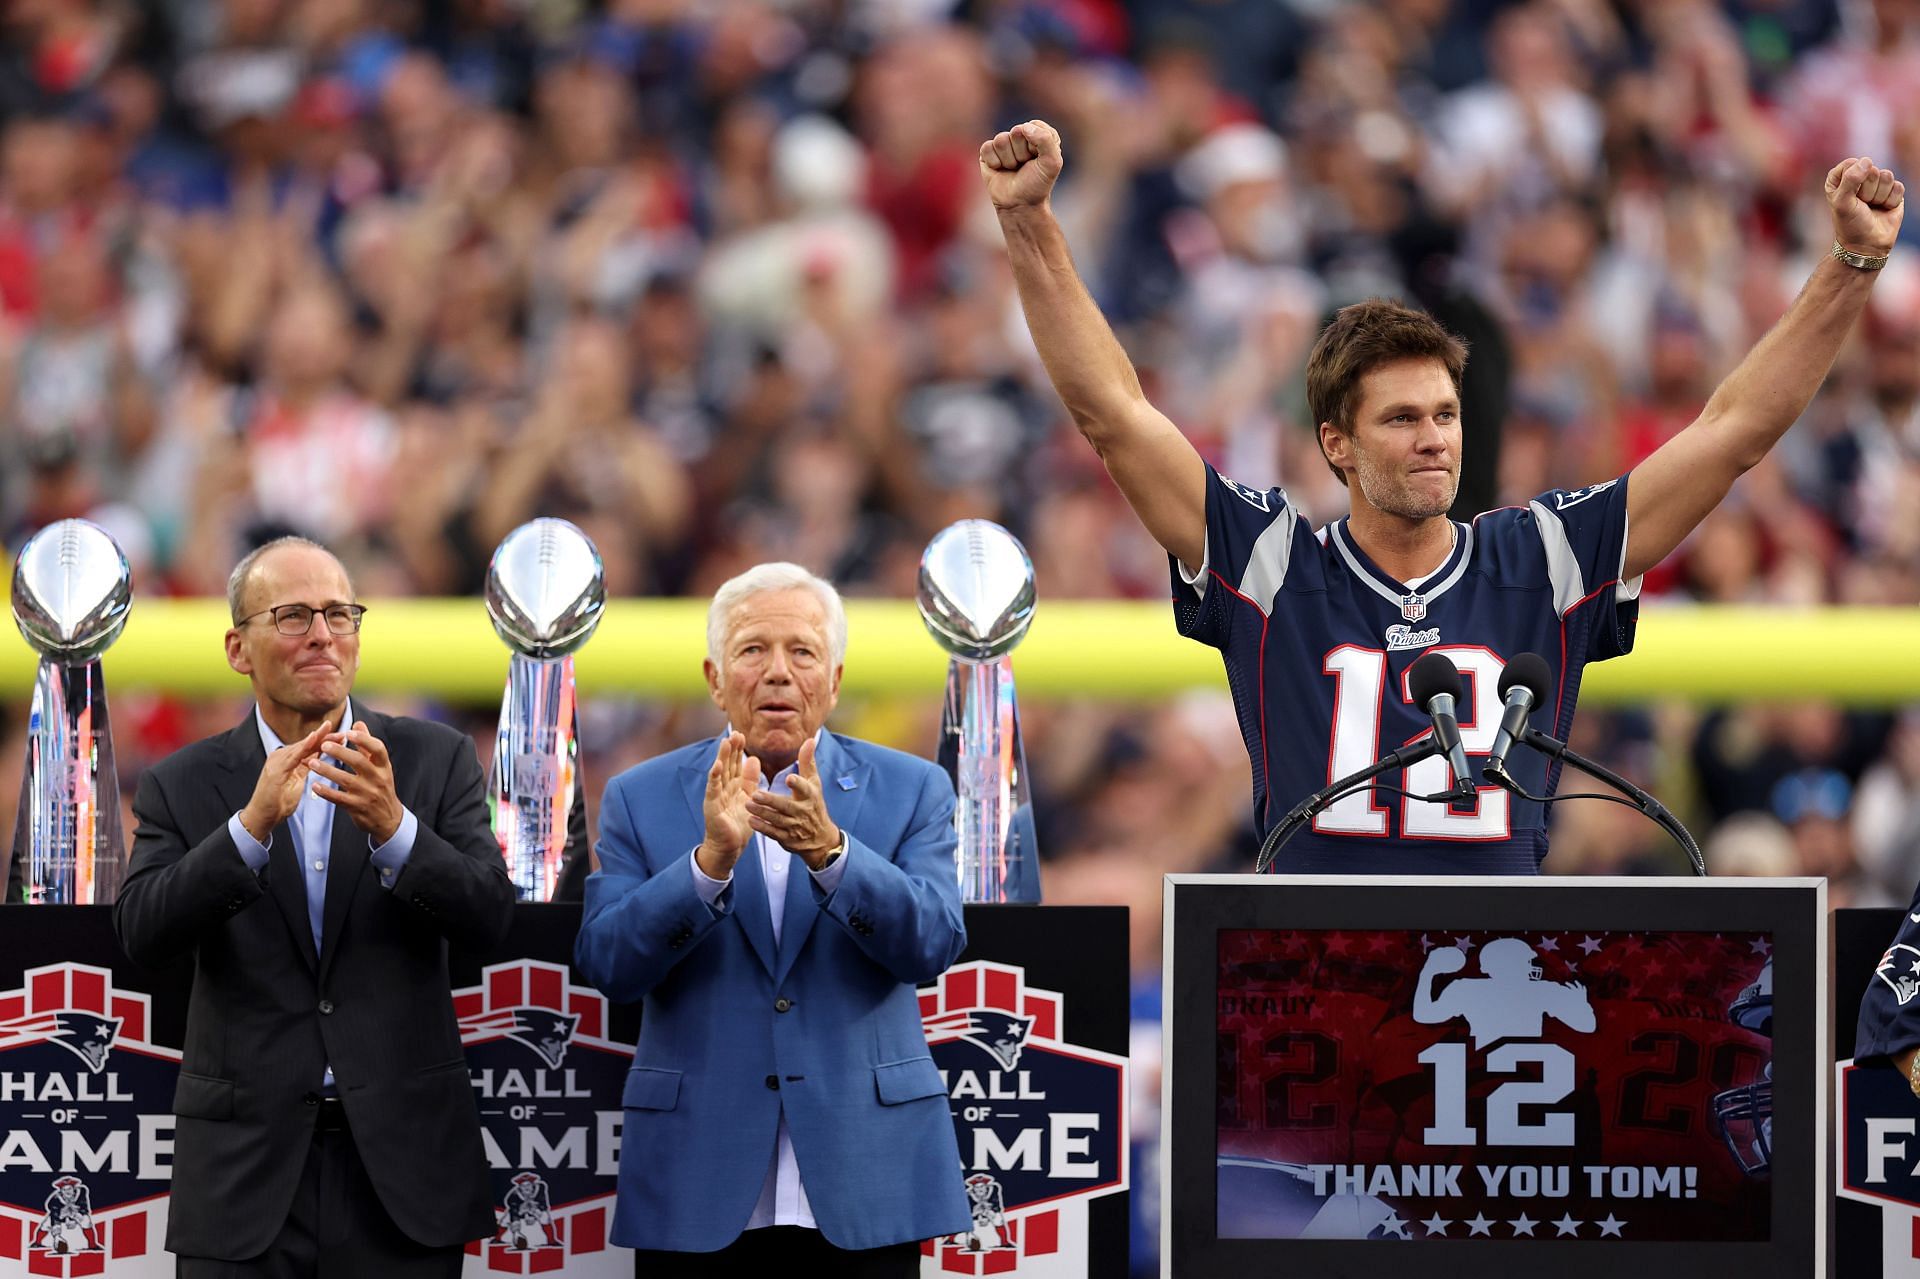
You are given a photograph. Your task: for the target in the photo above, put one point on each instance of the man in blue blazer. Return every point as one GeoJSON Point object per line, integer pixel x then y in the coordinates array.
{"type": "Point", "coordinates": [774, 896]}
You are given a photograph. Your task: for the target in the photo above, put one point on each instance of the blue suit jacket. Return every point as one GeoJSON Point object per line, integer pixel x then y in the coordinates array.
{"type": "Point", "coordinates": [718, 1061]}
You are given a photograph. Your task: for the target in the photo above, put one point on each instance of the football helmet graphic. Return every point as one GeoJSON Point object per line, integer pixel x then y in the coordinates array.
{"type": "Point", "coordinates": [1743, 1116]}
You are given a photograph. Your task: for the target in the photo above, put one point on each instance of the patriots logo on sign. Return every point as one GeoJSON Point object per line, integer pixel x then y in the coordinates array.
{"type": "Point", "coordinates": [1042, 1123]}
{"type": "Point", "coordinates": [1000, 1035]}
{"type": "Point", "coordinates": [548, 1086]}
{"type": "Point", "coordinates": [1900, 969]}
{"type": "Point", "coordinates": [87, 1036]}
{"type": "Point", "coordinates": [547, 1033]}
{"type": "Point", "coordinates": [88, 1153]}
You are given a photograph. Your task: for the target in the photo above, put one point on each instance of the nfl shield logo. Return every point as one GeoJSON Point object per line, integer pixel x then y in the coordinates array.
{"type": "Point", "coordinates": [1413, 607]}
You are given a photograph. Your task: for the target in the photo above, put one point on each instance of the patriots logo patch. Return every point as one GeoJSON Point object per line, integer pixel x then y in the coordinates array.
{"type": "Point", "coordinates": [998, 1034]}
{"type": "Point", "coordinates": [1901, 972]}
{"type": "Point", "coordinates": [1258, 501]}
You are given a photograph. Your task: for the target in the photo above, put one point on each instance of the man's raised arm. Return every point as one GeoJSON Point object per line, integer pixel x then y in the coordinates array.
{"type": "Point", "coordinates": [1158, 471]}
{"type": "Point", "coordinates": [1672, 491]}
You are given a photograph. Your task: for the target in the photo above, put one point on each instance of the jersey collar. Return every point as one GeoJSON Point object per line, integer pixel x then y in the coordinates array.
{"type": "Point", "coordinates": [1395, 592]}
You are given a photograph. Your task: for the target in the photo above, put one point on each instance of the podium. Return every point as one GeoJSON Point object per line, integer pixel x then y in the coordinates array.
{"type": "Point", "coordinates": [1504, 1076]}
{"type": "Point", "coordinates": [1029, 1027]}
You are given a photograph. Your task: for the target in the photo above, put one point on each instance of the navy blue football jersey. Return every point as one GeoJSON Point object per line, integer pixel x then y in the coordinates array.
{"type": "Point", "coordinates": [1318, 642]}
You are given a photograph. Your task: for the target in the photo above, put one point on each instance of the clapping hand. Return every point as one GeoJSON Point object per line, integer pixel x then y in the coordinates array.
{"type": "Point", "coordinates": [283, 780]}
{"type": "Point", "coordinates": [798, 821]}
{"type": "Point", "coordinates": [731, 781]}
{"type": "Point", "coordinates": [357, 764]}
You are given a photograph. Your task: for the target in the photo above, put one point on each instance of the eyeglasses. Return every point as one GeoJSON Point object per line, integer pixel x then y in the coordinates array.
{"type": "Point", "coordinates": [297, 619]}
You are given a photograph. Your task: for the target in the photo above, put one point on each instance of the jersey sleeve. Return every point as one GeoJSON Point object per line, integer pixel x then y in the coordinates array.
{"type": "Point", "coordinates": [1890, 1010]}
{"type": "Point", "coordinates": [1249, 541]}
{"type": "Point", "coordinates": [1584, 534]}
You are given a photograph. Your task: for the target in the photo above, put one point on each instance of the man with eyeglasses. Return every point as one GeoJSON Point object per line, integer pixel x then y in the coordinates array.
{"type": "Point", "coordinates": [315, 861]}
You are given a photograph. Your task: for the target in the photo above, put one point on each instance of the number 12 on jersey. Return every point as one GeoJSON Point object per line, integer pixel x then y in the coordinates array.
{"type": "Point", "coordinates": [1360, 683]}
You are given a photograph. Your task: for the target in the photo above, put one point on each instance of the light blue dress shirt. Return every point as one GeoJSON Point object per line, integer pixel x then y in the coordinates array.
{"type": "Point", "coordinates": [783, 1200]}
{"type": "Point", "coordinates": [312, 827]}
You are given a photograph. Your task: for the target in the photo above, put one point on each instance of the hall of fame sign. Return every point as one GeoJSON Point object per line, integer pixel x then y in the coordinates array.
{"type": "Point", "coordinates": [87, 1153]}
{"type": "Point", "coordinates": [548, 1084]}
{"type": "Point", "coordinates": [1042, 1124]}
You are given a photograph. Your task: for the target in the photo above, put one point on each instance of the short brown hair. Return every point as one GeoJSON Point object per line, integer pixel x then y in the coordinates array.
{"type": "Point", "coordinates": [1359, 339]}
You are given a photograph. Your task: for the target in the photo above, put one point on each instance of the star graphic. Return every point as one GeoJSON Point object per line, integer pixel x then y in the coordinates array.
{"type": "Point", "coordinates": [1480, 1225]}
{"type": "Point", "coordinates": [1567, 1226]}
{"type": "Point", "coordinates": [1317, 1013]}
{"type": "Point", "coordinates": [1436, 1225]}
{"type": "Point", "coordinates": [1916, 966]}
{"type": "Point", "coordinates": [103, 1032]}
{"type": "Point", "coordinates": [1549, 943]}
{"type": "Point", "coordinates": [1573, 966]}
{"type": "Point", "coordinates": [1760, 946]}
{"type": "Point", "coordinates": [1379, 942]}
{"type": "Point", "coordinates": [1611, 1226]}
{"type": "Point", "coordinates": [1395, 1227]}
{"type": "Point", "coordinates": [559, 1027]}
{"type": "Point", "coordinates": [1655, 968]}
{"type": "Point", "coordinates": [1591, 944]}
{"type": "Point", "coordinates": [1463, 944]}
{"type": "Point", "coordinates": [1524, 1226]}
{"type": "Point", "coordinates": [1337, 944]}
{"type": "Point", "coordinates": [1426, 943]}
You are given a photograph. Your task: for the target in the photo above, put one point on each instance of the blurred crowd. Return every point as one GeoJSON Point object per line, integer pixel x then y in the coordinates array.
{"type": "Point", "coordinates": [715, 279]}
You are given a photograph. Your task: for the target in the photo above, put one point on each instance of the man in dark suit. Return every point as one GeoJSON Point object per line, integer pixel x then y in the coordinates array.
{"type": "Point", "coordinates": [315, 861]}
{"type": "Point", "coordinates": [775, 895]}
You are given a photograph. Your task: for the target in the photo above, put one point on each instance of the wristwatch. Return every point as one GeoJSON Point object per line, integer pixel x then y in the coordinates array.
{"type": "Point", "coordinates": [1860, 260]}
{"type": "Point", "coordinates": [835, 855]}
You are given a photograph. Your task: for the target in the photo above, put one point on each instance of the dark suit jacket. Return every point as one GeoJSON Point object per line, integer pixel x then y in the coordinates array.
{"type": "Point", "coordinates": [268, 1015]}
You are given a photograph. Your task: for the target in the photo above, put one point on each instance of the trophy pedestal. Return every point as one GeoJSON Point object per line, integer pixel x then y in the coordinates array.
{"type": "Point", "coordinates": [981, 750]}
{"type": "Point", "coordinates": [70, 794]}
{"type": "Point", "coordinates": [535, 770]}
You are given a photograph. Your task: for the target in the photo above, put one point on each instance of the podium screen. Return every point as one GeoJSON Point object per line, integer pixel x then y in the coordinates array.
{"type": "Point", "coordinates": [1396, 1084]}
{"type": "Point", "coordinates": [1454, 1076]}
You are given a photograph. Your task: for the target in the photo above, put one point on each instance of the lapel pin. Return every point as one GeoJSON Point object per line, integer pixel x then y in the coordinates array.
{"type": "Point", "coordinates": [846, 781]}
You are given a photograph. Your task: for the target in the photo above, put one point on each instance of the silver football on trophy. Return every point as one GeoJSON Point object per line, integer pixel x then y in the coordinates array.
{"type": "Point", "coordinates": [546, 589]}
{"type": "Point", "coordinates": [976, 590]}
{"type": "Point", "coordinates": [72, 588]}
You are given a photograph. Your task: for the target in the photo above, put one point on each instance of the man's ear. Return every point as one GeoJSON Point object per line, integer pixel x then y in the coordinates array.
{"type": "Point", "coordinates": [1336, 446]}
{"type": "Point", "coordinates": [712, 673]}
{"type": "Point", "coordinates": [237, 652]}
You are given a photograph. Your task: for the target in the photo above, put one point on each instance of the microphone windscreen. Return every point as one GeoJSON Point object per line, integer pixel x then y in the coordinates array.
{"type": "Point", "coordinates": [1528, 671]}
{"type": "Point", "coordinates": [1433, 675]}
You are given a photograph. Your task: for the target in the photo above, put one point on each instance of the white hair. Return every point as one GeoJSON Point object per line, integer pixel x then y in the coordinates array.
{"type": "Point", "coordinates": [777, 576]}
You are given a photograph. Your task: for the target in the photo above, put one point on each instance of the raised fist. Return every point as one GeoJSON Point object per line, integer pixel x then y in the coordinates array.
{"type": "Point", "coordinates": [1868, 203]}
{"type": "Point", "coordinates": [1021, 165]}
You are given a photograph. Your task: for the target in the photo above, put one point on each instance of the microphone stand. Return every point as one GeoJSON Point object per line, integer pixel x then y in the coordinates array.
{"type": "Point", "coordinates": [1554, 748]}
{"type": "Point", "coordinates": [1308, 808]}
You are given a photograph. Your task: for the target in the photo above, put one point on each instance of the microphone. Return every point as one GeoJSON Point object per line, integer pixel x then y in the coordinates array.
{"type": "Point", "coordinates": [1437, 689]}
{"type": "Point", "coordinates": [1523, 686]}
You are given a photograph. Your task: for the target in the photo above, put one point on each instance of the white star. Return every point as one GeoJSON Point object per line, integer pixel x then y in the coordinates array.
{"type": "Point", "coordinates": [1567, 1226]}
{"type": "Point", "coordinates": [1426, 943]}
{"type": "Point", "coordinates": [1611, 1226]}
{"type": "Point", "coordinates": [1760, 946]}
{"type": "Point", "coordinates": [1480, 1225]}
{"type": "Point", "coordinates": [1524, 1226]}
{"type": "Point", "coordinates": [1395, 1227]}
{"type": "Point", "coordinates": [1436, 1226]}
{"type": "Point", "coordinates": [1591, 944]}
{"type": "Point", "coordinates": [1464, 945]}
{"type": "Point", "coordinates": [1916, 966]}
{"type": "Point", "coordinates": [1549, 943]}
